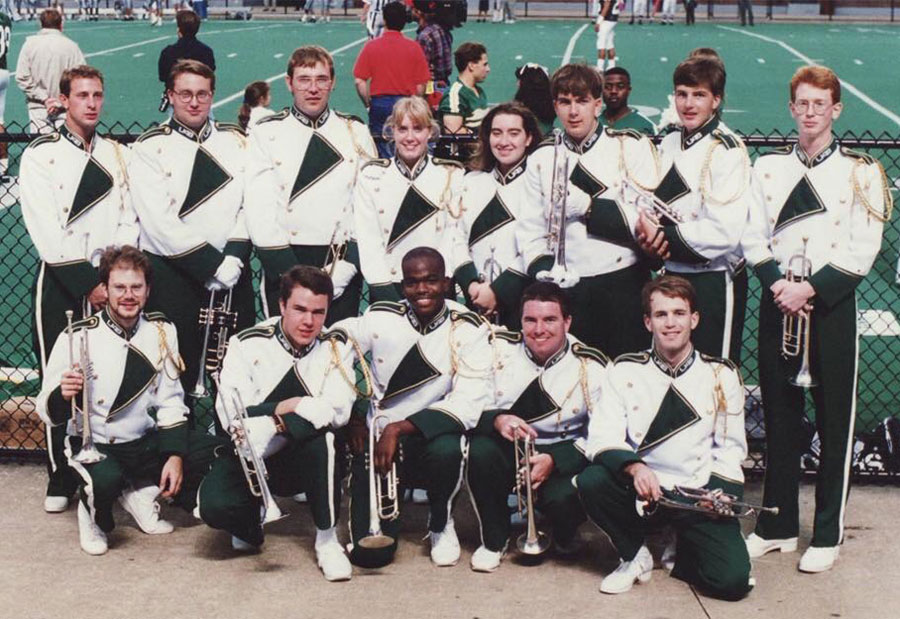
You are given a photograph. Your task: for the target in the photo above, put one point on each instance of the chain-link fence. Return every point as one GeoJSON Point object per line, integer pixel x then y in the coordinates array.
{"type": "Point", "coordinates": [877, 445]}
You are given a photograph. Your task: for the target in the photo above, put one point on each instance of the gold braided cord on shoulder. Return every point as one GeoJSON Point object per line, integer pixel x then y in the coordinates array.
{"type": "Point", "coordinates": [367, 373]}
{"type": "Point", "coordinates": [623, 165]}
{"type": "Point", "coordinates": [166, 354]}
{"type": "Point", "coordinates": [447, 196]}
{"type": "Point", "coordinates": [720, 400]}
{"type": "Point", "coordinates": [458, 365]}
{"type": "Point", "coordinates": [884, 214]}
{"type": "Point", "coordinates": [706, 176]}
{"type": "Point", "coordinates": [585, 391]}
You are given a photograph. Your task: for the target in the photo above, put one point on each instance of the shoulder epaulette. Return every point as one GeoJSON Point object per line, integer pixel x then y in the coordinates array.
{"type": "Point", "coordinates": [334, 334]}
{"type": "Point", "coordinates": [778, 150]}
{"type": "Point", "coordinates": [87, 323]}
{"type": "Point", "coordinates": [728, 140]}
{"type": "Point", "coordinates": [264, 331]}
{"type": "Point", "coordinates": [349, 117]}
{"type": "Point", "coordinates": [513, 337]}
{"type": "Point", "coordinates": [381, 163]}
{"type": "Point", "coordinates": [156, 317]}
{"type": "Point", "coordinates": [231, 127]}
{"type": "Point", "coordinates": [388, 306]}
{"type": "Point", "coordinates": [720, 360]}
{"type": "Point", "coordinates": [633, 357]}
{"type": "Point", "coordinates": [589, 352]}
{"type": "Point", "coordinates": [470, 317]}
{"type": "Point", "coordinates": [155, 131]}
{"type": "Point", "coordinates": [547, 141]}
{"type": "Point", "coordinates": [865, 157]}
{"type": "Point", "coordinates": [451, 162]}
{"type": "Point", "coordinates": [44, 139]}
{"type": "Point", "coordinates": [631, 133]}
{"type": "Point", "coordinates": [276, 116]}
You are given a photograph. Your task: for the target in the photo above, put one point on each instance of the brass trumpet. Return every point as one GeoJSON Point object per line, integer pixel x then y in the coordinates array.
{"type": "Point", "coordinates": [532, 542]}
{"type": "Point", "coordinates": [658, 211]}
{"type": "Point", "coordinates": [252, 462]}
{"type": "Point", "coordinates": [795, 329]}
{"type": "Point", "coordinates": [384, 495]}
{"type": "Point", "coordinates": [89, 454]}
{"type": "Point", "coordinates": [559, 273]}
{"type": "Point", "coordinates": [710, 502]}
{"type": "Point", "coordinates": [218, 323]}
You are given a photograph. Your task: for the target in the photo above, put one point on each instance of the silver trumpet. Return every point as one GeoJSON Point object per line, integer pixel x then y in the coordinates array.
{"type": "Point", "coordinates": [795, 329]}
{"type": "Point", "coordinates": [710, 502]}
{"type": "Point", "coordinates": [218, 322]}
{"type": "Point", "coordinates": [89, 453]}
{"type": "Point", "coordinates": [532, 542]}
{"type": "Point", "coordinates": [384, 495]}
{"type": "Point", "coordinates": [252, 462]}
{"type": "Point", "coordinates": [559, 273]}
{"type": "Point", "coordinates": [651, 205]}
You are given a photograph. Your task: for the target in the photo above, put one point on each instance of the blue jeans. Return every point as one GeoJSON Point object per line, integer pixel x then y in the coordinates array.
{"type": "Point", "coordinates": [380, 109]}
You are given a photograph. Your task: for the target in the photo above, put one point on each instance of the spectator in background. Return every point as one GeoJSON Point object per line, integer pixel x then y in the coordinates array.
{"type": "Point", "coordinates": [387, 69]}
{"type": "Point", "coordinates": [465, 104]}
{"type": "Point", "coordinates": [257, 98]}
{"type": "Point", "coordinates": [187, 47]}
{"type": "Point", "coordinates": [42, 60]}
{"type": "Point", "coordinates": [534, 93]}
{"type": "Point", "coordinates": [745, 9]}
{"type": "Point", "coordinates": [436, 41]}
{"type": "Point", "coordinates": [616, 113]}
{"type": "Point", "coordinates": [5, 28]}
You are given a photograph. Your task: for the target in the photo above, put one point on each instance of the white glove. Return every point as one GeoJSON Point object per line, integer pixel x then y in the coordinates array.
{"type": "Point", "coordinates": [577, 204]}
{"type": "Point", "coordinates": [229, 272]}
{"type": "Point", "coordinates": [343, 273]}
{"type": "Point", "coordinates": [315, 411]}
{"type": "Point", "coordinates": [262, 435]}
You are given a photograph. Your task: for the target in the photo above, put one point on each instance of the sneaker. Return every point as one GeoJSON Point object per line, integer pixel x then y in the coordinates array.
{"type": "Point", "coordinates": [242, 546]}
{"type": "Point", "coordinates": [93, 540]}
{"type": "Point", "coordinates": [445, 546]}
{"type": "Point", "coordinates": [333, 562]}
{"type": "Point", "coordinates": [818, 559]}
{"type": "Point", "coordinates": [142, 506]}
{"type": "Point", "coordinates": [639, 569]}
{"type": "Point", "coordinates": [758, 546]}
{"type": "Point", "coordinates": [484, 560]}
{"type": "Point", "coordinates": [667, 560]}
{"type": "Point", "coordinates": [55, 504]}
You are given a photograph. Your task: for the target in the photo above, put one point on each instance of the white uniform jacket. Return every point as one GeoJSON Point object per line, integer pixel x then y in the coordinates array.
{"type": "Point", "coordinates": [188, 192]}
{"type": "Point", "coordinates": [435, 375]}
{"type": "Point", "coordinates": [133, 373]}
{"type": "Point", "coordinates": [301, 175]}
{"type": "Point", "coordinates": [602, 240]}
{"type": "Point", "coordinates": [76, 202]}
{"type": "Point", "coordinates": [556, 398]}
{"type": "Point", "coordinates": [686, 423]}
{"type": "Point", "coordinates": [705, 182]}
{"type": "Point", "coordinates": [822, 200]}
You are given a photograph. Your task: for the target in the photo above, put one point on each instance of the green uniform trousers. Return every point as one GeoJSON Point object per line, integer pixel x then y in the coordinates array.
{"type": "Point", "coordinates": [833, 361]}
{"type": "Point", "coordinates": [436, 465]}
{"type": "Point", "coordinates": [710, 552]}
{"type": "Point", "coordinates": [139, 463]}
{"type": "Point", "coordinates": [491, 475]}
{"type": "Point", "coordinates": [306, 464]}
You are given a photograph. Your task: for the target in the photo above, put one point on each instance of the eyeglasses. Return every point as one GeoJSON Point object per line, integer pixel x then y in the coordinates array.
{"type": "Point", "coordinates": [185, 96]}
{"type": "Point", "coordinates": [305, 83]}
{"type": "Point", "coordinates": [818, 107]}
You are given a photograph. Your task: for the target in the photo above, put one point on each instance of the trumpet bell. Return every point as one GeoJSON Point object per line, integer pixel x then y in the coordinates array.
{"type": "Point", "coordinates": [273, 513]}
{"type": "Point", "coordinates": [376, 541]}
{"type": "Point", "coordinates": [88, 455]}
{"type": "Point", "coordinates": [805, 380]}
{"type": "Point", "coordinates": [533, 547]}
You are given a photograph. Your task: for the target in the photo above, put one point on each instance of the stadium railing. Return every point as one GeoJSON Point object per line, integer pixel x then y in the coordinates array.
{"type": "Point", "coordinates": [877, 442]}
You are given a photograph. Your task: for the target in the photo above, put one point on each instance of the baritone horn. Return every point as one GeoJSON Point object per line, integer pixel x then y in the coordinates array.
{"type": "Point", "coordinates": [709, 502]}
{"type": "Point", "coordinates": [559, 273]}
{"type": "Point", "coordinates": [218, 322]}
{"type": "Point", "coordinates": [384, 495]}
{"type": "Point", "coordinates": [89, 454]}
{"type": "Point", "coordinates": [795, 330]}
{"type": "Point", "coordinates": [532, 542]}
{"type": "Point", "coordinates": [252, 462]}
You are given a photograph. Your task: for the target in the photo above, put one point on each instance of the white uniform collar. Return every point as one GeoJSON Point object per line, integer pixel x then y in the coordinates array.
{"type": "Point", "coordinates": [309, 122]}
{"type": "Point", "coordinates": [554, 358]}
{"type": "Point", "coordinates": [689, 138]}
{"type": "Point", "coordinates": [413, 173]}
{"type": "Point", "coordinates": [432, 325]}
{"type": "Point", "coordinates": [586, 143]}
{"type": "Point", "coordinates": [514, 172]}
{"type": "Point", "coordinates": [115, 327]}
{"type": "Point", "coordinates": [679, 369]}
{"type": "Point", "coordinates": [822, 155]}
{"type": "Point", "coordinates": [285, 342]}
{"type": "Point", "coordinates": [77, 141]}
{"type": "Point", "coordinates": [195, 136]}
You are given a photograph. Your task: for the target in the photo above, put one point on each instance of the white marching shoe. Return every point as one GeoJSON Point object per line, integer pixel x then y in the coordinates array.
{"type": "Point", "coordinates": [56, 504]}
{"type": "Point", "coordinates": [93, 540]}
{"type": "Point", "coordinates": [667, 560]}
{"type": "Point", "coordinates": [818, 559]}
{"type": "Point", "coordinates": [330, 556]}
{"type": "Point", "coordinates": [445, 546]}
{"type": "Point", "coordinates": [639, 569]}
{"type": "Point", "coordinates": [142, 506]}
{"type": "Point", "coordinates": [758, 546]}
{"type": "Point", "coordinates": [484, 560]}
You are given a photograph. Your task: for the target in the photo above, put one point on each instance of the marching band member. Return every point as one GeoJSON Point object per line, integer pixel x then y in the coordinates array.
{"type": "Point", "coordinates": [409, 201]}
{"type": "Point", "coordinates": [297, 383]}
{"type": "Point", "coordinates": [492, 197]}
{"type": "Point", "coordinates": [430, 362]}
{"type": "Point", "coordinates": [75, 202]}
{"type": "Point", "coordinates": [670, 416]}
{"type": "Point", "coordinates": [706, 175]}
{"type": "Point", "coordinates": [600, 214]}
{"type": "Point", "coordinates": [137, 418]}
{"type": "Point", "coordinates": [545, 385]}
{"type": "Point", "coordinates": [302, 169]}
{"type": "Point", "coordinates": [820, 214]}
{"type": "Point", "coordinates": [187, 176]}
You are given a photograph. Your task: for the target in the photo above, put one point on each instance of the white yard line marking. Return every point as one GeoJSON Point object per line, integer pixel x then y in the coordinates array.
{"type": "Point", "coordinates": [232, 54]}
{"type": "Point", "coordinates": [567, 56]}
{"type": "Point", "coordinates": [129, 46]}
{"type": "Point", "coordinates": [137, 55]}
{"type": "Point", "coordinates": [850, 87]}
{"type": "Point", "coordinates": [857, 61]}
{"type": "Point", "coordinates": [761, 60]}
{"type": "Point", "coordinates": [663, 59]}
{"type": "Point", "coordinates": [279, 55]}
